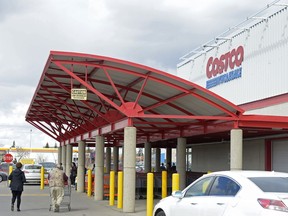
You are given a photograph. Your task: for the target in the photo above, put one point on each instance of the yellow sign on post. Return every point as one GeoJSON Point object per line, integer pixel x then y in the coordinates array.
{"type": "Point", "coordinates": [79, 94]}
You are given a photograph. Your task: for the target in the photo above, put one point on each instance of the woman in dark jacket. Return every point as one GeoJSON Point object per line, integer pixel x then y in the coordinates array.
{"type": "Point", "coordinates": [73, 173]}
{"type": "Point", "coordinates": [17, 178]}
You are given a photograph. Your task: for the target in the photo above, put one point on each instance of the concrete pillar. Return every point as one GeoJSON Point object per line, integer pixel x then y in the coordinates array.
{"type": "Point", "coordinates": [59, 154]}
{"type": "Point", "coordinates": [115, 158]}
{"type": "Point", "coordinates": [68, 159]}
{"type": "Point", "coordinates": [99, 168]}
{"type": "Point", "coordinates": [181, 161]}
{"type": "Point", "coordinates": [108, 160]}
{"type": "Point", "coordinates": [129, 169]}
{"type": "Point", "coordinates": [147, 157]}
{"type": "Point", "coordinates": [81, 167]}
{"type": "Point", "coordinates": [157, 159]}
{"type": "Point", "coordinates": [236, 149]}
{"type": "Point", "coordinates": [122, 159]}
{"type": "Point", "coordinates": [168, 158]}
{"type": "Point", "coordinates": [189, 159]}
{"type": "Point", "coordinates": [63, 157]}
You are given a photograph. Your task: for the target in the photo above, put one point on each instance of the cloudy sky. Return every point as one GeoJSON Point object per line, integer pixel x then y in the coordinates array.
{"type": "Point", "coordinates": [155, 33]}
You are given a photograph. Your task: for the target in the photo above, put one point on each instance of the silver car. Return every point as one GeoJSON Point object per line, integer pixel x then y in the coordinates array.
{"type": "Point", "coordinates": [48, 166]}
{"type": "Point", "coordinates": [33, 173]}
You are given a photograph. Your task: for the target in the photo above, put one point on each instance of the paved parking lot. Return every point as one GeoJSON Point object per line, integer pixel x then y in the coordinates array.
{"type": "Point", "coordinates": [37, 202]}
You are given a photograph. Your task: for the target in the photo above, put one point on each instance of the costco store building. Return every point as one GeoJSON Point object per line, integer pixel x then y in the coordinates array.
{"type": "Point", "coordinates": [248, 66]}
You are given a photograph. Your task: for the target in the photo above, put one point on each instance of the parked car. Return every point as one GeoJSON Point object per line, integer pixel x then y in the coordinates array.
{"type": "Point", "coordinates": [4, 167]}
{"type": "Point", "coordinates": [230, 193]}
{"type": "Point", "coordinates": [3, 176]}
{"type": "Point", "coordinates": [48, 166]}
{"type": "Point", "coordinates": [33, 173]}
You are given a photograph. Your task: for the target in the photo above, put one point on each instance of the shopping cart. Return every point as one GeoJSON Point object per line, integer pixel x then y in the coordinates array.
{"type": "Point", "coordinates": [67, 198]}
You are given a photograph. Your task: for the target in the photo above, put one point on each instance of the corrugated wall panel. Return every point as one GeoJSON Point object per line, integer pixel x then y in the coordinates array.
{"type": "Point", "coordinates": [265, 65]}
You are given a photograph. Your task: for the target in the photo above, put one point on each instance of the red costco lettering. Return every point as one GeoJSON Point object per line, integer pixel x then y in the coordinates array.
{"type": "Point", "coordinates": [231, 59]}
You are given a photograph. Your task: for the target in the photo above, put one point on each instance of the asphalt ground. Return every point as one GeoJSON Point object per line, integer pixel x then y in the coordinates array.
{"type": "Point", "coordinates": [36, 202]}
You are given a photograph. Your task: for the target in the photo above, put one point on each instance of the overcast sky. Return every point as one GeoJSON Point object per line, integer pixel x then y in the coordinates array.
{"type": "Point", "coordinates": [155, 33]}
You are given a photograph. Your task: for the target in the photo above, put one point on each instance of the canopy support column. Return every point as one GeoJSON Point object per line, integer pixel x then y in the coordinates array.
{"type": "Point", "coordinates": [108, 159]}
{"type": "Point", "coordinates": [81, 167]}
{"type": "Point", "coordinates": [115, 158]}
{"type": "Point", "coordinates": [181, 161]}
{"type": "Point", "coordinates": [69, 150]}
{"type": "Point", "coordinates": [129, 169]}
{"type": "Point", "coordinates": [236, 149]}
{"type": "Point", "coordinates": [63, 157]}
{"type": "Point", "coordinates": [99, 168]}
{"type": "Point", "coordinates": [147, 157]}
{"type": "Point", "coordinates": [59, 154]}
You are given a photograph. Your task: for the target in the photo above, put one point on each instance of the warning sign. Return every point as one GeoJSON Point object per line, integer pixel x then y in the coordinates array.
{"type": "Point", "coordinates": [79, 94]}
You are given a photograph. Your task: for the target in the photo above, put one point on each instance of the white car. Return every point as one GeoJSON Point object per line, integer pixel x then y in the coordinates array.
{"type": "Point", "coordinates": [230, 193]}
{"type": "Point", "coordinates": [33, 173]}
{"type": "Point", "coordinates": [48, 166]}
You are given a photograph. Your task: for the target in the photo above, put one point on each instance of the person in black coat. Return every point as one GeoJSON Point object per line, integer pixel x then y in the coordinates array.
{"type": "Point", "coordinates": [17, 178]}
{"type": "Point", "coordinates": [73, 173]}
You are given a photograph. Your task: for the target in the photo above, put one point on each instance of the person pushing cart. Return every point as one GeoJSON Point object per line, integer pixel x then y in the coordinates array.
{"type": "Point", "coordinates": [57, 180]}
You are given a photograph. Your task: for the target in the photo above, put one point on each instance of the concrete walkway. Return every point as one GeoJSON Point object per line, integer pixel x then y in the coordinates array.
{"type": "Point", "coordinates": [36, 202]}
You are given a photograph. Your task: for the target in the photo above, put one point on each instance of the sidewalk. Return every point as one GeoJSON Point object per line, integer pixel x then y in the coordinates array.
{"type": "Point", "coordinates": [36, 202]}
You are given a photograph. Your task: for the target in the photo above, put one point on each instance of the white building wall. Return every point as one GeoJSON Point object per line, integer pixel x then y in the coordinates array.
{"type": "Point", "coordinates": [279, 109]}
{"type": "Point", "coordinates": [264, 68]}
{"type": "Point", "coordinates": [211, 157]}
{"type": "Point", "coordinates": [254, 155]}
{"type": "Point", "coordinates": [216, 157]}
{"type": "Point", "coordinates": [279, 155]}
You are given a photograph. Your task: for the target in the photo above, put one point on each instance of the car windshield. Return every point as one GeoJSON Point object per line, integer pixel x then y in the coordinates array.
{"type": "Point", "coordinates": [271, 184]}
{"type": "Point", "coordinates": [32, 167]}
{"type": "Point", "coordinates": [48, 165]}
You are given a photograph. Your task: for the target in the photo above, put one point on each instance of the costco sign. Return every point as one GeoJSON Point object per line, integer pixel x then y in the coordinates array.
{"type": "Point", "coordinates": [216, 68]}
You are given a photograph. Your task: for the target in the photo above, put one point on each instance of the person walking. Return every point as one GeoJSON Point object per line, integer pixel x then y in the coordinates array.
{"type": "Point", "coordinates": [162, 167]}
{"type": "Point", "coordinates": [57, 179]}
{"type": "Point", "coordinates": [17, 178]}
{"type": "Point", "coordinates": [73, 173]}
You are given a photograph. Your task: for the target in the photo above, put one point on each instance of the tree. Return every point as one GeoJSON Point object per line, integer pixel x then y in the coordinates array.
{"type": "Point", "coordinates": [47, 145]}
{"type": "Point", "coordinates": [21, 153]}
{"type": "Point", "coordinates": [41, 158]}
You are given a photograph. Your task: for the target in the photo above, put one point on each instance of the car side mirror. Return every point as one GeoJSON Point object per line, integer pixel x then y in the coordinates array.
{"type": "Point", "coordinates": [177, 194]}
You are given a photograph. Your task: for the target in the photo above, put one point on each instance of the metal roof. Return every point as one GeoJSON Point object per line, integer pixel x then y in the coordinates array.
{"type": "Point", "coordinates": [120, 93]}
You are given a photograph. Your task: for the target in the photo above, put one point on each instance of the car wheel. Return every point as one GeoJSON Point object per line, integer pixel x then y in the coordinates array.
{"type": "Point", "coordinates": [1, 178]}
{"type": "Point", "coordinates": [160, 213]}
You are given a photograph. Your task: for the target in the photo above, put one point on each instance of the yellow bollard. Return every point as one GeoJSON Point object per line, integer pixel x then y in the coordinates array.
{"type": "Point", "coordinates": [150, 194]}
{"type": "Point", "coordinates": [175, 182]}
{"type": "Point", "coordinates": [112, 188]}
{"type": "Point", "coordinates": [42, 178]}
{"type": "Point", "coordinates": [89, 182]}
{"type": "Point", "coordinates": [10, 171]}
{"type": "Point", "coordinates": [120, 190]}
{"type": "Point", "coordinates": [164, 184]}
